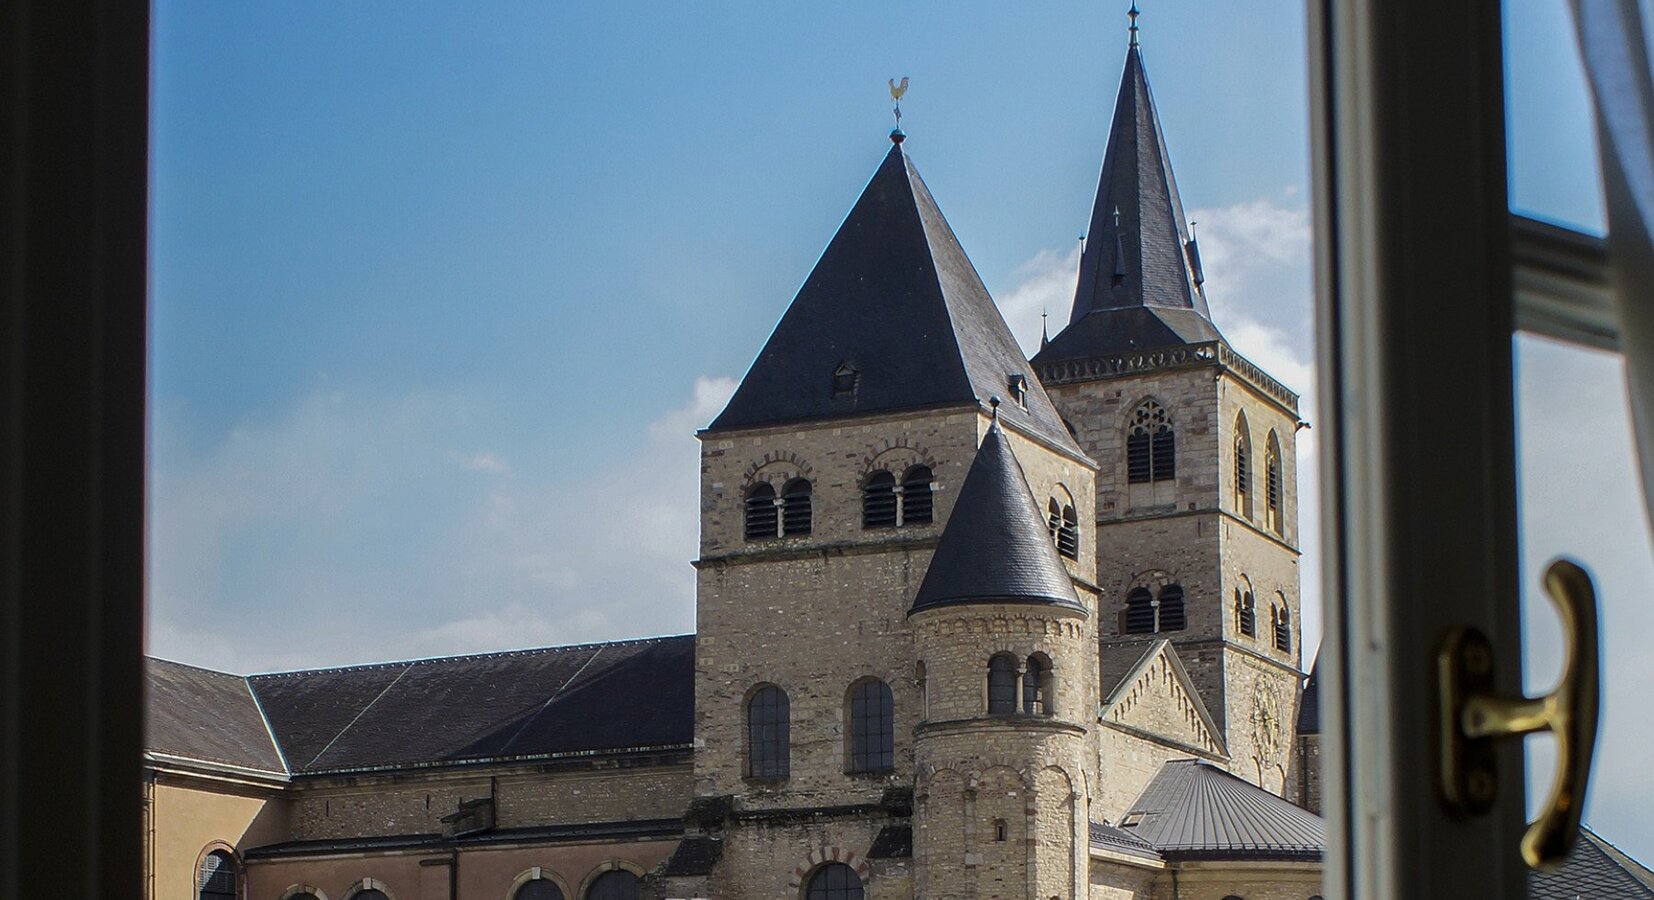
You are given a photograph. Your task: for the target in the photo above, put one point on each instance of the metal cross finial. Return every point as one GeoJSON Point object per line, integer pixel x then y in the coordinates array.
{"type": "Point", "coordinates": [1133, 14]}
{"type": "Point", "coordinates": [1116, 217]}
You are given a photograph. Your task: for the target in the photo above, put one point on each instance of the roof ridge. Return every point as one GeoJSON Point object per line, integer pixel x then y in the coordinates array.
{"type": "Point", "coordinates": [492, 654]}
{"type": "Point", "coordinates": [185, 665]}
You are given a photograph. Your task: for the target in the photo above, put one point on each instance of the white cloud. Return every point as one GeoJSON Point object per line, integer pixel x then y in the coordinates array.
{"type": "Point", "coordinates": [348, 529]}
{"type": "Point", "coordinates": [1042, 285]}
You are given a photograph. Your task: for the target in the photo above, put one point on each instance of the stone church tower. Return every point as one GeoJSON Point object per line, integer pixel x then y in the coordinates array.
{"type": "Point", "coordinates": [826, 484]}
{"type": "Point", "coordinates": [1197, 530]}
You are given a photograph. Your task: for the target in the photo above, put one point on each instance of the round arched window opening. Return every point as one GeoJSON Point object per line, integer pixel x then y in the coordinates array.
{"type": "Point", "coordinates": [834, 881]}
{"type": "Point", "coordinates": [539, 889]}
{"type": "Point", "coordinates": [618, 884]}
{"type": "Point", "coordinates": [217, 879]}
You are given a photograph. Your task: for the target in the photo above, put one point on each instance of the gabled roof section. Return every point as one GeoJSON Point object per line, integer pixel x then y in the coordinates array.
{"type": "Point", "coordinates": [628, 695]}
{"type": "Point", "coordinates": [203, 716]}
{"type": "Point", "coordinates": [1155, 682]}
{"type": "Point", "coordinates": [1595, 868]}
{"type": "Point", "coordinates": [1140, 277]}
{"type": "Point", "coordinates": [1195, 810]}
{"type": "Point", "coordinates": [896, 310]}
{"type": "Point", "coordinates": [995, 547]}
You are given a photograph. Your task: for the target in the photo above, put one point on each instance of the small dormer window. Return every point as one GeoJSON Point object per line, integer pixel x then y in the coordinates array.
{"type": "Point", "coordinates": [1018, 384]}
{"type": "Point", "coordinates": [844, 380]}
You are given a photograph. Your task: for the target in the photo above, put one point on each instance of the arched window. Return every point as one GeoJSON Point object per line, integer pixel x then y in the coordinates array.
{"type": "Point", "coordinates": [370, 894]}
{"type": "Point", "coordinates": [878, 500]}
{"type": "Point", "coordinates": [1068, 533]}
{"type": "Point", "coordinates": [834, 881]}
{"type": "Point", "coordinates": [872, 727]}
{"type": "Point", "coordinates": [1246, 617]}
{"type": "Point", "coordinates": [768, 733]}
{"type": "Point", "coordinates": [539, 889]}
{"type": "Point", "coordinates": [1243, 470]}
{"type": "Point", "coordinates": [1036, 686]}
{"type": "Point", "coordinates": [217, 878]}
{"type": "Point", "coordinates": [916, 496]}
{"type": "Point", "coordinates": [616, 884]}
{"type": "Point", "coordinates": [1151, 446]}
{"type": "Point", "coordinates": [1272, 483]}
{"type": "Point", "coordinates": [1053, 518]}
{"type": "Point", "coordinates": [761, 512]}
{"type": "Point", "coordinates": [1140, 611]}
{"type": "Point", "coordinates": [1002, 685]}
{"type": "Point", "coordinates": [795, 507]}
{"type": "Point", "coordinates": [1283, 625]}
{"type": "Point", "coordinates": [1171, 609]}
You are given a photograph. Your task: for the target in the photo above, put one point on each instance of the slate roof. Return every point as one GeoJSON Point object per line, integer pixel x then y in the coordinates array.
{"type": "Point", "coordinates": [894, 297]}
{"type": "Point", "coordinates": [526, 703]}
{"type": "Point", "coordinates": [205, 716]}
{"type": "Point", "coordinates": [1309, 708]}
{"type": "Point", "coordinates": [1595, 868]}
{"type": "Point", "coordinates": [1195, 810]}
{"type": "Point", "coordinates": [995, 547]}
{"type": "Point", "coordinates": [1140, 280]}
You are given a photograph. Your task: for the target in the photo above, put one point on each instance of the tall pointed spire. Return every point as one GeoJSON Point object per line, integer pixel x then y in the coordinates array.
{"type": "Point", "coordinates": [1140, 283]}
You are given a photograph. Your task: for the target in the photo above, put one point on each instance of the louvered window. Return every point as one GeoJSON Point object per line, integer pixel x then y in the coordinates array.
{"type": "Point", "coordinates": [916, 496]}
{"type": "Point", "coordinates": [1245, 615]}
{"type": "Point", "coordinates": [617, 884]}
{"type": "Point", "coordinates": [1068, 534]}
{"type": "Point", "coordinates": [768, 734]}
{"type": "Point", "coordinates": [1140, 612]}
{"type": "Point", "coordinates": [538, 889]}
{"type": "Point", "coordinates": [1243, 475]}
{"type": "Point", "coordinates": [1272, 480]}
{"type": "Point", "coordinates": [834, 881]}
{"type": "Point", "coordinates": [1002, 685]}
{"type": "Point", "coordinates": [872, 728]}
{"type": "Point", "coordinates": [761, 512]}
{"type": "Point", "coordinates": [1171, 609]}
{"type": "Point", "coordinates": [878, 501]}
{"type": "Point", "coordinates": [1283, 628]}
{"type": "Point", "coordinates": [795, 507]}
{"type": "Point", "coordinates": [1053, 518]}
{"type": "Point", "coordinates": [216, 879]}
{"type": "Point", "coordinates": [1151, 446]}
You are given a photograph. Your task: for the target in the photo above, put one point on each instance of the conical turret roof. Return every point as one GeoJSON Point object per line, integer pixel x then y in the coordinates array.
{"type": "Point", "coordinates": [995, 547]}
{"type": "Point", "coordinates": [1140, 278]}
{"type": "Point", "coordinates": [893, 317]}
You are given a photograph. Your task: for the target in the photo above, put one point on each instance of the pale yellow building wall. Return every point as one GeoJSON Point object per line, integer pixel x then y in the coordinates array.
{"type": "Point", "coordinates": [188, 817]}
{"type": "Point", "coordinates": [1249, 880]}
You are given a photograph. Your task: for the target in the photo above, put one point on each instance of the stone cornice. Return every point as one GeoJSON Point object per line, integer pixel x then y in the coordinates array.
{"type": "Point", "coordinates": [768, 552]}
{"type": "Point", "coordinates": [1216, 354]}
{"type": "Point", "coordinates": [1163, 513]}
{"type": "Point", "coordinates": [1016, 722]}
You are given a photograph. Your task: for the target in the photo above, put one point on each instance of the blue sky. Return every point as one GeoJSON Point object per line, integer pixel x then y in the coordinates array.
{"type": "Point", "coordinates": [441, 293]}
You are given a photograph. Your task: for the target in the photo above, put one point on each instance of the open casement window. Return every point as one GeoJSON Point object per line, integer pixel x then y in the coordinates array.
{"type": "Point", "coordinates": [1410, 159]}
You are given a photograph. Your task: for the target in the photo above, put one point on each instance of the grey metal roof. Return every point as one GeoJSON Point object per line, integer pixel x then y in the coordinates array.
{"type": "Point", "coordinates": [626, 695]}
{"type": "Point", "coordinates": [995, 547]}
{"type": "Point", "coordinates": [895, 298]}
{"type": "Point", "coordinates": [206, 716]}
{"type": "Point", "coordinates": [1139, 254]}
{"type": "Point", "coordinates": [1121, 841]}
{"type": "Point", "coordinates": [1195, 810]}
{"type": "Point", "coordinates": [1594, 869]}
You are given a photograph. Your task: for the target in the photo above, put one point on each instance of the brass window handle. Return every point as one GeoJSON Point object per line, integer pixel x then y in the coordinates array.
{"type": "Point", "coordinates": [1473, 718]}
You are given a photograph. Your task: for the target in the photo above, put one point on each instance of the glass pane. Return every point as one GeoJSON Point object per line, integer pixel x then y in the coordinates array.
{"type": "Point", "coordinates": [1552, 148]}
{"type": "Point", "coordinates": [1580, 497]}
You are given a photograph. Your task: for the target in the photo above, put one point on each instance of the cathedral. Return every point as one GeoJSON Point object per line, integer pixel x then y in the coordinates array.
{"type": "Point", "coordinates": [968, 625]}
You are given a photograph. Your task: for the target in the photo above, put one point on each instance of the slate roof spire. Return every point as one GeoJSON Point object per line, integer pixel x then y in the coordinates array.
{"type": "Point", "coordinates": [1140, 281]}
{"type": "Point", "coordinates": [893, 317]}
{"type": "Point", "coordinates": [995, 547]}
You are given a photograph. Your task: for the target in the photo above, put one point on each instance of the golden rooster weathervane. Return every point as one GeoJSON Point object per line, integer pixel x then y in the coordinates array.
{"type": "Point", "coordinates": [896, 92]}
